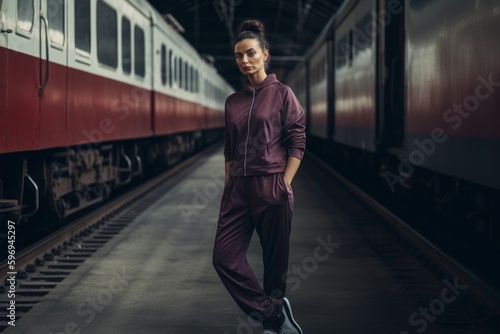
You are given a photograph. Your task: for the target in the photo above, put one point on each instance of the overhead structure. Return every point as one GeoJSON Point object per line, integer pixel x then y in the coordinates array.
{"type": "Point", "coordinates": [292, 26]}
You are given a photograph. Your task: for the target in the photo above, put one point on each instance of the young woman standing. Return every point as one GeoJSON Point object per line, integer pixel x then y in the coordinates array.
{"type": "Point", "coordinates": [264, 144]}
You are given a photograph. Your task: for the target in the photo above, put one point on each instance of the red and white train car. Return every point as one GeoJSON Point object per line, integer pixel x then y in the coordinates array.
{"type": "Point", "coordinates": [91, 92]}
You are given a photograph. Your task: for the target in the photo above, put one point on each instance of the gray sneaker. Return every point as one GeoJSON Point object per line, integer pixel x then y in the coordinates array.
{"type": "Point", "coordinates": [268, 331]}
{"type": "Point", "coordinates": [290, 326]}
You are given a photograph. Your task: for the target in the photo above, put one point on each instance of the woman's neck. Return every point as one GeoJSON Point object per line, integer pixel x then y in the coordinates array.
{"type": "Point", "coordinates": [256, 78]}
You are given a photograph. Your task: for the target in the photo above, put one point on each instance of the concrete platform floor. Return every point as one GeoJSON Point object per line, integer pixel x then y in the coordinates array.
{"type": "Point", "coordinates": [156, 276]}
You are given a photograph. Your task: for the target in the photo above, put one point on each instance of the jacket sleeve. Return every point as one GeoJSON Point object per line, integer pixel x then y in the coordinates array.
{"type": "Point", "coordinates": [294, 127]}
{"type": "Point", "coordinates": [227, 139]}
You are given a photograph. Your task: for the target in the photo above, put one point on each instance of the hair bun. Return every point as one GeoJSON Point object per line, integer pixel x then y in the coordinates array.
{"type": "Point", "coordinates": [252, 25]}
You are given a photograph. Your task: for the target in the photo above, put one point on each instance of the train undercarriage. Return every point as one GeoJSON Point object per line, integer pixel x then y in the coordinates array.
{"type": "Point", "coordinates": [58, 183]}
{"type": "Point", "coordinates": [468, 209]}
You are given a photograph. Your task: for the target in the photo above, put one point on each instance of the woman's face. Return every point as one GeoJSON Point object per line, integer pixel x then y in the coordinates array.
{"type": "Point", "coordinates": [250, 57]}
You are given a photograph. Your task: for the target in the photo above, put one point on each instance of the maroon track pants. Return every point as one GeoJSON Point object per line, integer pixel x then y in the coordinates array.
{"type": "Point", "coordinates": [262, 203]}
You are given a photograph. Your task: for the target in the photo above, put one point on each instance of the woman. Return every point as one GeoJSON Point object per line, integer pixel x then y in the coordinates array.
{"type": "Point", "coordinates": [264, 145]}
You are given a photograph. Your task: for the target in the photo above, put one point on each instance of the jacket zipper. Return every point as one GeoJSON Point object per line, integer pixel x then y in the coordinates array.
{"type": "Point", "coordinates": [248, 133]}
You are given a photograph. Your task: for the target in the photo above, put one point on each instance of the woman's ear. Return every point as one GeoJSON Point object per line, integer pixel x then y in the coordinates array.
{"type": "Point", "coordinates": [266, 55]}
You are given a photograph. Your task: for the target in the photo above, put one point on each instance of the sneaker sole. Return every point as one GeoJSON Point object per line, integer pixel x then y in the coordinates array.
{"type": "Point", "coordinates": [288, 310]}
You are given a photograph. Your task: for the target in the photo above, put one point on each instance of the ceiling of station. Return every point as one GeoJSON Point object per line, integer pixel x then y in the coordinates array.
{"type": "Point", "coordinates": [210, 26]}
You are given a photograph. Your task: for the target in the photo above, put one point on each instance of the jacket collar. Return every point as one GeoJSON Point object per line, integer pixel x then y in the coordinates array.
{"type": "Point", "coordinates": [270, 79]}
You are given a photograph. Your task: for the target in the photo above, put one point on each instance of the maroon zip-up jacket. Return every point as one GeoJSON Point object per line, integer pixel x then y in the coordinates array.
{"type": "Point", "coordinates": [264, 126]}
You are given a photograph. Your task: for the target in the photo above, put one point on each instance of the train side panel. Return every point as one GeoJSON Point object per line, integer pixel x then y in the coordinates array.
{"type": "Point", "coordinates": [177, 111]}
{"type": "Point", "coordinates": [355, 70]}
{"type": "Point", "coordinates": [319, 95]}
{"type": "Point", "coordinates": [299, 85]}
{"type": "Point", "coordinates": [102, 110]}
{"type": "Point", "coordinates": [177, 107]}
{"type": "Point", "coordinates": [109, 82]}
{"type": "Point", "coordinates": [213, 96]}
{"type": "Point", "coordinates": [453, 94]}
{"type": "Point", "coordinates": [184, 86]}
{"type": "Point", "coordinates": [20, 79]}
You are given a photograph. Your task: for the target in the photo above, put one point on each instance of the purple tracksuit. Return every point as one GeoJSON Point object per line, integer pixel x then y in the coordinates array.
{"type": "Point", "coordinates": [264, 126]}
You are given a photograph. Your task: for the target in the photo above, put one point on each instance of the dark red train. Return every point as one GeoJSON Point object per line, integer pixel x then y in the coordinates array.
{"type": "Point", "coordinates": [92, 93]}
{"type": "Point", "coordinates": [410, 91]}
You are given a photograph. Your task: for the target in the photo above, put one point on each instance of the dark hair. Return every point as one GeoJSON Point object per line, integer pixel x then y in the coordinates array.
{"type": "Point", "coordinates": [253, 29]}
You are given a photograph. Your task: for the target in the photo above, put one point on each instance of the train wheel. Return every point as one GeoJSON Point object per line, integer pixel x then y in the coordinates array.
{"type": "Point", "coordinates": [58, 208]}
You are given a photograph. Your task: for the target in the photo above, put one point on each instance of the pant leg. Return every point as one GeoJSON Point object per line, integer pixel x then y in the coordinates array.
{"type": "Point", "coordinates": [234, 232]}
{"type": "Point", "coordinates": [271, 210]}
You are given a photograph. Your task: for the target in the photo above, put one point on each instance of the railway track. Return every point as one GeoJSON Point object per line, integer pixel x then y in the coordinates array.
{"type": "Point", "coordinates": [451, 297]}
{"type": "Point", "coordinates": [41, 266]}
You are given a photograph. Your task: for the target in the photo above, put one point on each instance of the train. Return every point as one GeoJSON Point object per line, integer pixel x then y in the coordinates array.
{"type": "Point", "coordinates": [407, 93]}
{"type": "Point", "coordinates": [94, 94]}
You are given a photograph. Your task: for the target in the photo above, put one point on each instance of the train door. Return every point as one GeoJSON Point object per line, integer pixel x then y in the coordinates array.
{"type": "Point", "coordinates": [19, 76]}
{"type": "Point", "coordinates": [391, 73]}
{"type": "Point", "coordinates": [53, 72]}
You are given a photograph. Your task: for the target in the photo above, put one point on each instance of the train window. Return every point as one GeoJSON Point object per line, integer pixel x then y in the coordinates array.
{"type": "Point", "coordinates": [82, 25]}
{"type": "Point", "coordinates": [179, 69]}
{"type": "Point", "coordinates": [195, 80]}
{"type": "Point", "coordinates": [186, 76]}
{"type": "Point", "coordinates": [170, 70]}
{"type": "Point", "coordinates": [55, 14]}
{"type": "Point", "coordinates": [176, 71]}
{"type": "Point", "coordinates": [191, 79]}
{"type": "Point", "coordinates": [341, 54]}
{"type": "Point", "coordinates": [126, 46]}
{"type": "Point", "coordinates": [139, 49]}
{"type": "Point", "coordinates": [25, 15]}
{"type": "Point", "coordinates": [350, 51]}
{"type": "Point", "coordinates": [196, 90]}
{"type": "Point", "coordinates": [107, 35]}
{"type": "Point", "coordinates": [193, 83]}
{"type": "Point", "coordinates": [363, 34]}
{"type": "Point", "coordinates": [163, 64]}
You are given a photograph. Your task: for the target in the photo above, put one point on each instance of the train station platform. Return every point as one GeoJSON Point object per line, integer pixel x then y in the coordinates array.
{"type": "Point", "coordinates": [156, 276]}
